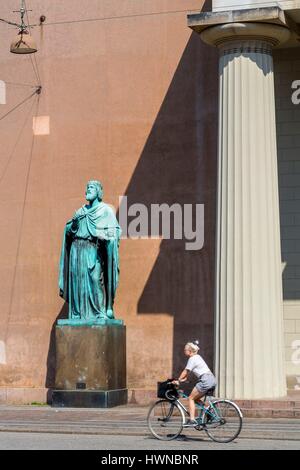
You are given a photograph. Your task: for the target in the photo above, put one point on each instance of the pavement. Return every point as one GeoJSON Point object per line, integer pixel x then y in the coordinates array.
{"type": "Point", "coordinates": [50, 441]}
{"type": "Point", "coordinates": [123, 423]}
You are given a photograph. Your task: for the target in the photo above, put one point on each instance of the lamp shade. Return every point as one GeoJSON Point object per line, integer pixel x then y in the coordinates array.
{"type": "Point", "coordinates": [23, 44]}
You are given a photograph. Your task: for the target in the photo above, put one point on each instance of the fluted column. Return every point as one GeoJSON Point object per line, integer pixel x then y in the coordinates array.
{"type": "Point", "coordinates": [249, 350]}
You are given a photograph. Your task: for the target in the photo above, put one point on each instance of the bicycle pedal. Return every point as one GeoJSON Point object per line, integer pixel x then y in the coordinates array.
{"type": "Point", "coordinates": [200, 427]}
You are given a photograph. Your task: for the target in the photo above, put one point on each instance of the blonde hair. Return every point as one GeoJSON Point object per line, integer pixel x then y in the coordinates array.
{"type": "Point", "coordinates": [193, 346]}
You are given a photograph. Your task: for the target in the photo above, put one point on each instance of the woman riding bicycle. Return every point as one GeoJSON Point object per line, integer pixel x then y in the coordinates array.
{"type": "Point", "coordinates": [205, 378]}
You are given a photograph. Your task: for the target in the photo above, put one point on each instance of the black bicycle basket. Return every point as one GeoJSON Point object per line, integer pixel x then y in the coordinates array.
{"type": "Point", "coordinates": [166, 386]}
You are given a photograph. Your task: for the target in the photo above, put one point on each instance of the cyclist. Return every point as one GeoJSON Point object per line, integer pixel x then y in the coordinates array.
{"type": "Point", "coordinates": [205, 378]}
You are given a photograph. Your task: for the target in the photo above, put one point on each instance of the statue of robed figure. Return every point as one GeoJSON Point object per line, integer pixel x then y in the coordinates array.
{"type": "Point", "coordinates": [89, 262]}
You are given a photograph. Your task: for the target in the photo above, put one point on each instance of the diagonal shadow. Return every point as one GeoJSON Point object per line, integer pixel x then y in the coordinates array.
{"type": "Point", "coordinates": [178, 165]}
{"type": "Point", "coordinates": [51, 357]}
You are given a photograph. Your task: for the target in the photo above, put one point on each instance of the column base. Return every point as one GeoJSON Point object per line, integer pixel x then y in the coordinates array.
{"type": "Point", "coordinates": [89, 398]}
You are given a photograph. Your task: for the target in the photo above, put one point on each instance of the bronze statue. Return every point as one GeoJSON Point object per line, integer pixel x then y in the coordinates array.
{"type": "Point", "coordinates": [89, 263]}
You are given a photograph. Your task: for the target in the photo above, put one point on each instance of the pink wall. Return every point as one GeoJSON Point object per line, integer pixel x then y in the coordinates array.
{"type": "Point", "coordinates": [132, 102]}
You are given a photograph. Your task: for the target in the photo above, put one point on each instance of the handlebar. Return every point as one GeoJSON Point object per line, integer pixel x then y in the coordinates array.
{"type": "Point", "coordinates": [175, 385]}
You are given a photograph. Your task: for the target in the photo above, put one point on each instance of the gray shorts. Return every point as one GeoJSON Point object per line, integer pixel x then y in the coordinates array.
{"type": "Point", "coordinates": [206, 382]}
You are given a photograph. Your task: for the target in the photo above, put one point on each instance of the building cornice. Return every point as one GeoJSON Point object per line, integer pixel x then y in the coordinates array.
{"type": "Point", "coordinates": [269, 15]}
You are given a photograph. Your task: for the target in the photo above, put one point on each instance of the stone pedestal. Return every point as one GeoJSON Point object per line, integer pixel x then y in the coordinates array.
{"type": "Point", "coordinates": [90, 366]}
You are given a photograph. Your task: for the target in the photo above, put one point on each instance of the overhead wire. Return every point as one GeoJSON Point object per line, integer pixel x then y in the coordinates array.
{"type": "Point", "coordinates": [27, 176]}
{"type": "Point", "coordinates": [21, 224]}
{"type": "Point", "coordinates": [20, 84]}
{"type": "Point", "coordinates": [33, 61]}
{"type": "Point", "coordinates": [156, 13]}
{"type": "Point", "coordinates": [16, 143]}
{"type": "Point", "coordinates": [108, 18]}
{"type": "Point", "coordinates": [18, 105]}
{"type": "Point", "coordinates": [35, 70]}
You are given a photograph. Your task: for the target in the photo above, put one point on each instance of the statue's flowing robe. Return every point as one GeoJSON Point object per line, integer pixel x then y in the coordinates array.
{"type": "Point", "coordinates": [89, 263]}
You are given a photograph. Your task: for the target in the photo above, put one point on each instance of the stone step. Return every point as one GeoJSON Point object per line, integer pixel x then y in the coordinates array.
{"type": "Point", "coordinates": [270, 413]}
{"type": "Point", "coordinates": [273, 404]}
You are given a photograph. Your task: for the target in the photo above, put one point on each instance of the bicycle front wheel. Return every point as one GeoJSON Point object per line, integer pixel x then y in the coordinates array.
{"type": "Point", "coordinates": [223, 421]}
{"type": "Point", "coordinates": [165, 420]}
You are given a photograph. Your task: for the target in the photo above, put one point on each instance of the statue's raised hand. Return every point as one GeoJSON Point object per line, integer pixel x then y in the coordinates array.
{"type": "Point", "coordinates": [75, 220]}
{"type": "Point", "coordinates": [107, 234]}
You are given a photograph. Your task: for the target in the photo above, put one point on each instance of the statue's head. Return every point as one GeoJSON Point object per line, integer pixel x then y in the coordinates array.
{"type": "Point", "coordinates": [94, 190]}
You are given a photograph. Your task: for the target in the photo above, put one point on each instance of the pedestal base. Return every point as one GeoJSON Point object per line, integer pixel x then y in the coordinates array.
{"type": "Point", "coordinates": [101, 322]}
{"type": "Point", "coordinates": [89, 398]}
{"type": "Point", "coordinates": [90, 366]}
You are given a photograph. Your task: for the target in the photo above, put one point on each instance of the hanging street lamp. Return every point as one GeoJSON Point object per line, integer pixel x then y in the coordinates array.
{"type": "Point", "coordinates": [23, 43]}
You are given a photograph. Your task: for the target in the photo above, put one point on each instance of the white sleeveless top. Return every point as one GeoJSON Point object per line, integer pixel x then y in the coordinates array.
{"type": "Point", "coordinates": [197, 365]}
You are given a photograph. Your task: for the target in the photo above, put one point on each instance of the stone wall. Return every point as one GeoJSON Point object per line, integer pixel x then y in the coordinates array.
{"type": "Point", "coordinates": [131, 101]}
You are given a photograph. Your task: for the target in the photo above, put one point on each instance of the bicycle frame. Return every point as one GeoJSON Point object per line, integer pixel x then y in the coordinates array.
{"type": "Point", "coordinates": [211, 415]}
{"type": "Point", "coordinates": [199, 406]}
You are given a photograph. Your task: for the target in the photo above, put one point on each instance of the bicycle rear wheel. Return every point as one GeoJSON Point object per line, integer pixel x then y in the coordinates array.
{"type": "Point", "coordinates": [223, 421]}
{"type": "Point", "coordinates": [165, 420]}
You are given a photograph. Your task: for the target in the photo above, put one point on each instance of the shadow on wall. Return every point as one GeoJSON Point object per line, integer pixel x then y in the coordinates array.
{"type": "Point", "coordinates": [178, 165]}
{"type": "Point", "coordinates": [51, 358]}
{"type": "Point", "coordinates": [287, 71]}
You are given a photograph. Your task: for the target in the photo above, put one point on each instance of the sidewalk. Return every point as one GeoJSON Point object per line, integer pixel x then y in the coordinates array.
{"type": "Point", "coordinates": [126, 420]}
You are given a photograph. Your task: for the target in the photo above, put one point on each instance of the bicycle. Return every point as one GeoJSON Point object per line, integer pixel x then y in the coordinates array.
{"type": "Point", "coordinates": [221, 419]}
